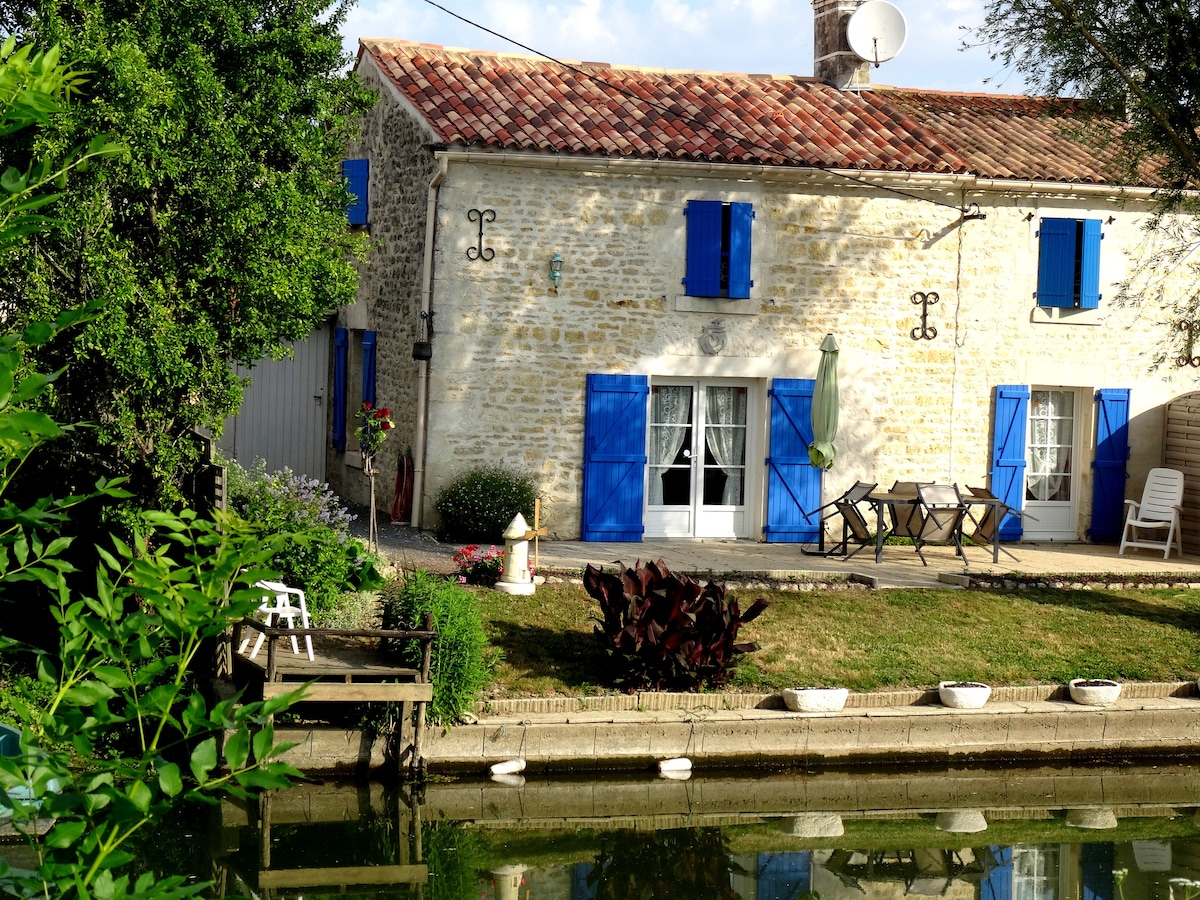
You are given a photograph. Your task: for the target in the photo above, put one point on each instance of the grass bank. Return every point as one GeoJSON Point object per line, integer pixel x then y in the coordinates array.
{"type": "Point", "coordinates": [872, 640]}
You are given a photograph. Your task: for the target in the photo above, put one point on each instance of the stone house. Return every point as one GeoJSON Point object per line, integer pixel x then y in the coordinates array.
{"type": "Point", "coordinates": [620, 278]}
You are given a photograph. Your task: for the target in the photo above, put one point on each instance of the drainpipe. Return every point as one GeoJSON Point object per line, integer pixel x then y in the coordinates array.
{"type": "Point", "coordinates": [423, 365]}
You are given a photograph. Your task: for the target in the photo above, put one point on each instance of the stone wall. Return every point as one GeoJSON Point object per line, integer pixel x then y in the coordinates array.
{"type": "Point", "coordinates": [829, 255]}
{"type": "Point", "coordinates": [389, 281]}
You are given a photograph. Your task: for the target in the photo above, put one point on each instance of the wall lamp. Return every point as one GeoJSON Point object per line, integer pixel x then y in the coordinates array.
{"type": "Point", "coordinates": [556, 268]}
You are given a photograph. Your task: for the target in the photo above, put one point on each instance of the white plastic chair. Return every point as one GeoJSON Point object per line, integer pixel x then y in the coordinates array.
{"type": "Point", "coordinates": [1160, 508]}
{"type": "Point", "coordinates": [277, 606]}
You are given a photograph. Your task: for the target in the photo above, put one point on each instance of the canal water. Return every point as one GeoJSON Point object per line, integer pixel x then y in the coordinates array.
{"type": "Point", "coordinates": [1063, 833]}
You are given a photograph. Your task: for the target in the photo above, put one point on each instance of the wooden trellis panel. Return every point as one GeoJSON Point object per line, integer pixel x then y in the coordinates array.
{"type": "Point", "coordinates": [1181, 450]}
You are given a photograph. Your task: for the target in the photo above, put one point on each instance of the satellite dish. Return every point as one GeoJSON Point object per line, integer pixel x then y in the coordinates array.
{"type": "Point", "coordinates": [876, 31]}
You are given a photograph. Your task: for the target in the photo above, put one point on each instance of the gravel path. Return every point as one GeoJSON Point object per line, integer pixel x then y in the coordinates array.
{"type": "Point", "coordinates": [405, 547]}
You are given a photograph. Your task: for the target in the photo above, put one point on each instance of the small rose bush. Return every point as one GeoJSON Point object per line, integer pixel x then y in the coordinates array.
{"type": "Point", "coordinates": [373, 426]}
{"type": "Point", "coordinates": [476, 566]}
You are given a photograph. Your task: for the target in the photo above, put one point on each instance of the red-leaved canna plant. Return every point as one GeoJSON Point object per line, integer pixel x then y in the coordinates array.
{"type": "Point", "coordinates": [666, 631]}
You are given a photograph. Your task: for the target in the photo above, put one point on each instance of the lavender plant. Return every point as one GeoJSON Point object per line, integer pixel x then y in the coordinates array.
{"type": "Point", "coordinates": [325, 560]}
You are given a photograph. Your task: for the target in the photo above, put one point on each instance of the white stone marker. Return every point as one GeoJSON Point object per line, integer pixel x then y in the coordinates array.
{"type": "Point", "coordinates": [516, 578]}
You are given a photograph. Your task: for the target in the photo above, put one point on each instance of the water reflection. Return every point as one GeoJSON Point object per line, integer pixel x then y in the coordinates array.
{"type": "Point", "coordinates": [1022, 834]}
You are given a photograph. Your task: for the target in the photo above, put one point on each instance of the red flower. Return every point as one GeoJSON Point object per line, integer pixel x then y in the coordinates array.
{"type": "Point", "coordinates": [387, 425]}
{"type": "Point", "coordinates": [367, 404]}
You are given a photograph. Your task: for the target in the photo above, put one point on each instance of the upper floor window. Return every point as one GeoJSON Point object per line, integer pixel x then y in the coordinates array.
{"type": "Point", "coordinates": [718, 249]}
{"type": "Point", "coordinates": [1069, 263]}
{"type": "Point", "coordinates": [356, 173]}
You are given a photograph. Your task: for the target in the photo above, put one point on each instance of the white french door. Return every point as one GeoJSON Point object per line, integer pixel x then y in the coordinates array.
{"type": "Point", "coordinates": [1051, 465]}
{"type": "Point", "coordinates": [698, 442]}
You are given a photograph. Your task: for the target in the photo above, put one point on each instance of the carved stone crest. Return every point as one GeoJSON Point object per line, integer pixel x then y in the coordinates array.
{"type": "Point", "coordinates": [712, 338]}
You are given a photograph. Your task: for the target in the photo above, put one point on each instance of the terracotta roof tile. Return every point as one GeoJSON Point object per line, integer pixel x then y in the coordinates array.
{"type": "Point", "coordinates": [518, 102]}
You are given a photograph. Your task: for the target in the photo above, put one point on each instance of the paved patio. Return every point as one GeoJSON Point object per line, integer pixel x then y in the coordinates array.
{"type": "Point", "coordinates": [901, 567]}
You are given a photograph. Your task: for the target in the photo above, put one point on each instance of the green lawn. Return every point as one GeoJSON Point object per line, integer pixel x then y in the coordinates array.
{"type": "Point", "coordinates": [871, 640]}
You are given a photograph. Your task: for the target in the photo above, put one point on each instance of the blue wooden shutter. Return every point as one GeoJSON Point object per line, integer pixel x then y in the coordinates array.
{"type": "Point", "coordinates": [793, 482]}
{"type": "Point", "coordinates": [1112, 451]}
{"type": "Point", "coordinates": [1089, 283]}
{"type": "Point", "coordinates": [357, 173]}
{"type": "Point", "coordinates": [341, 342]}
{"type": "Point", "coordinates": [783, 874]}
{"type": "Point", "coordinates": [740, 216]}
{"type": "Point", "coordinates": [997, 884]}
{"type": "Point", "coordinates": [1056, 263]}
{"type": "Point", "coordinates": [1096, 864]}
{"type": "Point", "coordinates": [703, 278]}
{"type": "Point", "coordinates": [614, 457]}
{"type": "Point", "coordinates": [1008, 453]}
{"type": "Point", "coordinates": [368, 367]}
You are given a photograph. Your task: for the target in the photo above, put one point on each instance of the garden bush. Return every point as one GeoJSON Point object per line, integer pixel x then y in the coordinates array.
{"type": "Point", "coordinates": [477, 505]}
{"type": "Point", "coordinates": [462, 662]}
{"type": "Point", "coordinates": [666, 631]}
{"type": "Point", "coordinates": [324, 560]}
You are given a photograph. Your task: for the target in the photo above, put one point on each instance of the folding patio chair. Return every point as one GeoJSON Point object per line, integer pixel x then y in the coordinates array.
{"type": "Point", "coordinates": [1160, 508]}
{"type": "Point", "coordinates": [854, 525]}
{"type": "Point", "coordinates": [907, 518]}
{"type": "Point", "coordinates": [943, 510]}
{"type": "Point", "coordinates": [986, 526]}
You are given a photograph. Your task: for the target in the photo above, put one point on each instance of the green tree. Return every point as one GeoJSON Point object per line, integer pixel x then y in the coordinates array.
{"type": "Point", "coordinates": [125, 654]}
{"type": "Point", "coordinates": [1138, 61]}
{"type": "Point", "coordinates": [34, 88]}
{"type": "Point", "coordinates": [218, 238]}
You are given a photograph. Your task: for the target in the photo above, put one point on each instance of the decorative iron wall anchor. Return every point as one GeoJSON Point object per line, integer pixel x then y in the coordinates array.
{"type": "Point", "coordinates": [479, 251]}
{"type": "Point", "coordinates": [1189, 358]}
{"type": "Point", "coordinates": [924, 300]}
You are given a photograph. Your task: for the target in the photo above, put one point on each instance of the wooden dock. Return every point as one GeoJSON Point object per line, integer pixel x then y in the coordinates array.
{"type": "Point", "coordinates": [349, 668]}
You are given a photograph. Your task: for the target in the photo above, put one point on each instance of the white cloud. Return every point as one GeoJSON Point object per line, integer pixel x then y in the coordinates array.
{"type": "Point", "coordinates": [766, 36]}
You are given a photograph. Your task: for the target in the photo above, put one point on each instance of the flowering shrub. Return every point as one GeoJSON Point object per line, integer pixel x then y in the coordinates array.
{"type": "Point", "coordinates": [373, 426]}
{"type": "Point", "coordinates": [478, 504]}
{"type": "Point", "coordinates": [475, 567]}
{"type": "Point", "coordinates": [324, 560]}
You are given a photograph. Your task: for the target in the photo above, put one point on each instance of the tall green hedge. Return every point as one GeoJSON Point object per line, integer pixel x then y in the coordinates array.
{"type": "Point", "coordinates": [462, 661]}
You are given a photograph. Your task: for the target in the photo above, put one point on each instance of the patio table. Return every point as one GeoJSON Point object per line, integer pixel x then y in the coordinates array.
{"type": "Point", "coordinates": [882, 499]}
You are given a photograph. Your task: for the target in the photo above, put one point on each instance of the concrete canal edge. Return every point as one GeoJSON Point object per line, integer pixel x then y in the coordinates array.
{"type": "Point", "coordinates": [634, 732]}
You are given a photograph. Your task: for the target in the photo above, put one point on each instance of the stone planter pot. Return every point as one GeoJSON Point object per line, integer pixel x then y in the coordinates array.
{"type": "Point", "coordinates": [963, 694]}
{"type": "Point", "coordinates": [961, 821]}
{"type": "Point", "coordinates": [813, 825]}
{"type": "Point", "coordinates": [1094, 691]}
{"type": "Point", "coordinates": [815, 699]}
{"type": "Point", "coordinates": [1096, 817]}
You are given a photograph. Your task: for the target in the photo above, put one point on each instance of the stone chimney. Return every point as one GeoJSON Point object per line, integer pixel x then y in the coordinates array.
{"type": "Point", "coordinates": [833, 60]}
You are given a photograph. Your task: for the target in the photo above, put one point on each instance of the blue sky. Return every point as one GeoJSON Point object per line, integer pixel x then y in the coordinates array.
{"type": "Point", "coordinates": [771, 36]}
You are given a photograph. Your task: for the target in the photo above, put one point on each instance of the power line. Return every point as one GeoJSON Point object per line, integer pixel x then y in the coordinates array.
{"type": "Point", "coordinates": [714, 130]}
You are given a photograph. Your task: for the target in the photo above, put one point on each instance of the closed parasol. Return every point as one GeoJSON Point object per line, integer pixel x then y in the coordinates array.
{"type": "Point", "coordinates": [821, 452]}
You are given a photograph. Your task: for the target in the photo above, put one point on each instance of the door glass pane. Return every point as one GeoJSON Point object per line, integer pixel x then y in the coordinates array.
{"type": "Point", "coordinates": [724, 445]}
{"type": "Point", "coordinates": [1035, 872]}
{"type": "Point", "coordinates": [1051, 436]}
{"type": "Point", "coordinates": [670, 449]}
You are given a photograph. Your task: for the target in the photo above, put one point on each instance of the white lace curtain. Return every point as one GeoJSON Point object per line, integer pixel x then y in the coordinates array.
{"type": "Point", "coordinates": [1050, 441]}
{"type": "Point", "coordinates": [669, 409]}
{"type": "Point", "coordinates": [727, 406]}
